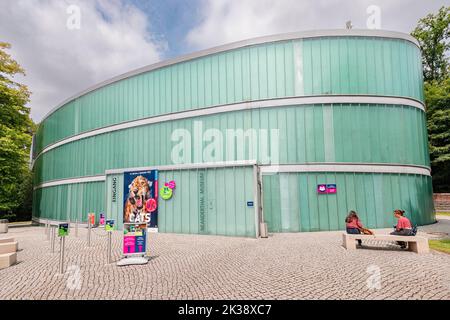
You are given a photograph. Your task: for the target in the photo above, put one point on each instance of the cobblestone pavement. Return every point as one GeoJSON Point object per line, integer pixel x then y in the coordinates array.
{"type": "Point", "coordinates": [284, 266]}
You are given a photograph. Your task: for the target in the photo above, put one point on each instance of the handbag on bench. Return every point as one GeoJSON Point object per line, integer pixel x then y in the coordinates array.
{"type": "Point", "coordinates": [366, 231]}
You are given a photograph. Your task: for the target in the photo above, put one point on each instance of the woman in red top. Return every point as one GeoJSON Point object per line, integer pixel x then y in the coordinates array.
{"type": "Point", "coordinates": [353, 224]}
{"type": "Point", "coordinates": [403, 227]}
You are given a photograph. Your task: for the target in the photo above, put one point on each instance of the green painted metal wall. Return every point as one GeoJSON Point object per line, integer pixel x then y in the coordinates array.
{"type": "Point", "coordinates": [315, 133]}
{"type": "Point", "coordinates": [357, 133]}
{"type": "Point", "coordinates": [205, 201]}
{"type": "Point", "coordinates": [331, 65]}
{"type": "Point", "coordinates": [291, 202]}
{"type": "Point", "coordinates": [69, 202]}
{"type": "Point", "coordinates": [212, 201]}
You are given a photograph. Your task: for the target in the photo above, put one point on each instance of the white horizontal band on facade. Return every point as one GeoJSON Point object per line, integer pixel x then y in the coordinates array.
{"type": "Point", "coordinates": [57, 222]}
{"type": "Point", "coordinates": [187, 166]}
{"type": "Point", "coordinates": [264, 169]}
{"type": "Point", "coordinates": [246, 43]}
{"type": "Point", "coordinates": [350, 167]}
{"type": "Point", "coordinates": [268, 103]}
{"type": "Point", "coordinates": [71, 181]}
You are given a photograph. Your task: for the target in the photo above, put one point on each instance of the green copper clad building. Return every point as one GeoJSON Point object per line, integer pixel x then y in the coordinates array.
{"type": "Point", "coordinates": [290, 130]}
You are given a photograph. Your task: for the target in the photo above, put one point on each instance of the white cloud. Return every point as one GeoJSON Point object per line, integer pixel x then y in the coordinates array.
{"type": "Point", "coordinates": [225, 21]}
{"type": "Point", "coordinates": [59, 62]}
{"type": "Point", "coordinates": [114, 37]}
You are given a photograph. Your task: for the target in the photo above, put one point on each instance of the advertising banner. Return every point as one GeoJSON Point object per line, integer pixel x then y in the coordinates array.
{"type": "Point", "coordinates": [91, 218]}
{"type": "Point", "coordinates": [63, 230]}
{"type": "Point", "coordinates": [102, 219]}
{"type": "Point", "coordinates": [140, 209]}
{"type": "Point", "coordinates": [109, 225]}
{"type": "Point", "coordinates": [134, 239]}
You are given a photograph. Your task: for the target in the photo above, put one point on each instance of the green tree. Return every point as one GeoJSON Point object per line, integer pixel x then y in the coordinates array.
{"type": "Point", "coordinates": [438, 122]}
{"type": "Point", "coordinates": [432, 32]}
{"type": "Point", "coordinates": [16, 129]}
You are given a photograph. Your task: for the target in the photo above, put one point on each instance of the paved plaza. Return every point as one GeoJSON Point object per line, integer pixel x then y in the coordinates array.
{"type": "Point", "coordinates": [284, 266]}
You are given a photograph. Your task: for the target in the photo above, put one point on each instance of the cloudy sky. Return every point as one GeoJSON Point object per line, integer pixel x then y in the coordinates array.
{"type": "Point", "coordinates": [116, 36]}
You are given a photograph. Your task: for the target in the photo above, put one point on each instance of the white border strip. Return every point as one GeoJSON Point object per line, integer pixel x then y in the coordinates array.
{"type": "Point", "coordinates": [206, 165]}
{"type": "Point", "coordinates": [265, 169]}
{"type": "Point", "coordinates": [246, 43]}
{"type": "Point", "coordinates": [71, 181]}
{"type": "Point", "coordinates": [280, 102]}
{"type": "Point", "coordinates": [187, 166]}
{"type": "Point", "coordinates": [57, 222]}
{"type": "Point", "coordinates": [350, 167]}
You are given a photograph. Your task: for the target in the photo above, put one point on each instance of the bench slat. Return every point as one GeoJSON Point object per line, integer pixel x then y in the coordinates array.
{"type": "Point", "coordinates": [388, 237]}
{"type": "Point", "coordinates": [415, 243]}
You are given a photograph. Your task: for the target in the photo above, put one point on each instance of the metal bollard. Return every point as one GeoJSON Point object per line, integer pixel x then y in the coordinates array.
{"type": "Point", "coordinates": [61, 255]}
{"type": "Point", "coordinates": [48, 229]}
{"type": "Point", "coordinates": [53, 239]}
{"type": "Point", "coordinates": [89, 232]}
{"type": "Point", "coordinates": [76, 228]}
{"type": "Point", "coordinates": [109, 248]}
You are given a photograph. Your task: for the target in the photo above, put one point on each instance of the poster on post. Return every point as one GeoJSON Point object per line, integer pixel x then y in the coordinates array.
{"type": "Point", "coordinates": [102, 219]}
{"type": "Point", "coordinates": [140, 209]}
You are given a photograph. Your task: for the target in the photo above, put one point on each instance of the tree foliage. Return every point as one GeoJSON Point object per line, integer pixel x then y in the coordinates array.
{"type": "Point", "coordinates": [433, 32]}
{"type": "Point", "coordinates": [16, 129]}
{"type": "Point", "coordinates": [438, 122]}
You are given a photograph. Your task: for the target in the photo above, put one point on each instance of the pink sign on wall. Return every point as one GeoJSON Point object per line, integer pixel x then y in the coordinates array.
{"type": "Point", "coordinates": [322, 188]}
{"type": "Point", "coordinates": [326, 188]}
{"type": "Point", "coordinates": [331, 188]}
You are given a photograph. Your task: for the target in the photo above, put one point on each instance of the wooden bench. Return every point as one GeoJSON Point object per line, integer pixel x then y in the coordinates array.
{"type": "Point", "coordinates": [415, 243]}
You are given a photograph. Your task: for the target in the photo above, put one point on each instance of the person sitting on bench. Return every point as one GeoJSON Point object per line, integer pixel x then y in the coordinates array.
{"type": "Point", "coordinates": [403, 227]}
{"type": "Point", "coordinates": [353, 224]}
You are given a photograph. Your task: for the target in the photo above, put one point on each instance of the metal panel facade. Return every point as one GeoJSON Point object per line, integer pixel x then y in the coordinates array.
{"type": "Point", "coordinates": [294, 204]}
{"type": "Point", "coordinates": [205, 201]}
{"type": "Point", "coordinates": [70, 202]}
{"type": "Point", "coordinates": [328, 66]}
{"type": "Point", "coordinates": [209, 201]}
{"type": "Point", "coordinates": [311, 133]}
{"type": "Point", "coordinates": [369, 132]}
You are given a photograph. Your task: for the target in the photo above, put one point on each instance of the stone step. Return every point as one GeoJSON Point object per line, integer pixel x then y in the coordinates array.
{"type": "Point", "coordinates": [4, 240]}
{"type": "Point", "coordinates": [9, 247]}
{"type": "Point", "coordinates": [7, 259]}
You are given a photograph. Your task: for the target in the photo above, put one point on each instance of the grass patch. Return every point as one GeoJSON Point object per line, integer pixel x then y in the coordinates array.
{"type": "Point", "coordinates": [440, 245]}
{"type": "Point", "coordinates": [443, 213]}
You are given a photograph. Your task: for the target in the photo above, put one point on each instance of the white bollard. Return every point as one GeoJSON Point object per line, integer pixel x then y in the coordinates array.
{"type": "Point", "coordinates": [47, 228]}
{"type": "Point", "coordinates": [109, 247]}
{"type": "Point", "coordinates": [53, 236]}
{"type": "Point", "coordinates": [89, 232]}
{"type": "Point", "coordinates": [61, 255]}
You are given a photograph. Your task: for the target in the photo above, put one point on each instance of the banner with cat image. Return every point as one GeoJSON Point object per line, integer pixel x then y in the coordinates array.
{"type": "Point", "coordinates": [140, 209]}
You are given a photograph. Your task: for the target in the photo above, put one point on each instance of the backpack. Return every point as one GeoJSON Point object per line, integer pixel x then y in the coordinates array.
{"type": "Point", "coordinates": [414, 230]}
